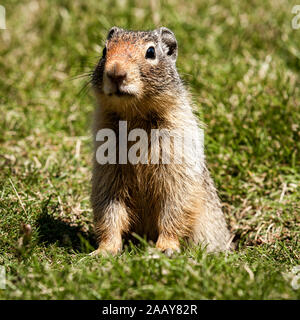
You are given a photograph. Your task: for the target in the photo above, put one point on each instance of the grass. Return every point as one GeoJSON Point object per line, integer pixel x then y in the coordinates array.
{"type": "Point", "coordinates": [241, 60]}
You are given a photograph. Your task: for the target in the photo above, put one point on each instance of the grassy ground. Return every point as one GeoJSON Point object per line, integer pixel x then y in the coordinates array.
{"type": "Point", "coordinates": [241, 60]}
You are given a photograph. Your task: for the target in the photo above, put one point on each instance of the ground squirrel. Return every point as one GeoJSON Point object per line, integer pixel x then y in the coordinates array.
{"type": "Point", "coordinates": [136, 81]}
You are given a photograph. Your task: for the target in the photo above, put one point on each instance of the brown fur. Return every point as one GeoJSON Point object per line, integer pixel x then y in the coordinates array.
{"type": "Point", "coordinates": [161, 201]}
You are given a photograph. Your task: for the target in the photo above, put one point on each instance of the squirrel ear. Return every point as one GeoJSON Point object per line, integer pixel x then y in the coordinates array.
{"type": "Point", "coordinates": [170, 43]}
{"type": "Point", "coordinates": [112, 31]}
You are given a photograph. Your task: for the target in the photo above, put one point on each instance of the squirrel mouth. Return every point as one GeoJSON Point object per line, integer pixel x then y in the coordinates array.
{"type": "Point", "coordinates": [119, 90]}
{"type": "Point", "coordinates": [121, 93]}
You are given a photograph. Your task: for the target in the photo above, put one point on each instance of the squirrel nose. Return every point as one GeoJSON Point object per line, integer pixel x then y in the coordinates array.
{"type": "Point", "coordinates": [116, 74]}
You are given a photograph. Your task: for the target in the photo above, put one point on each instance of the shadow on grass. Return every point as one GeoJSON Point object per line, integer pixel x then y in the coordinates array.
{"type": "Point", "coordinates": [53, 230]}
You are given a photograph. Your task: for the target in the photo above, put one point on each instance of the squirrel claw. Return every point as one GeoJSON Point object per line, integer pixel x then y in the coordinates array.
{"type": "Point", "coordinates": [104, 252]}
{"type": "Point", "coordinates": [170, 252]}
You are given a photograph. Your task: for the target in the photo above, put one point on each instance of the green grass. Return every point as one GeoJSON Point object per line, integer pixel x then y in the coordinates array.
{"type": "Point", "coordinates": [241, 60]}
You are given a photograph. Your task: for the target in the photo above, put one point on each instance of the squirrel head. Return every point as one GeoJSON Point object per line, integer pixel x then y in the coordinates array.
{"type": "Point", "coordinates": [137, 67]}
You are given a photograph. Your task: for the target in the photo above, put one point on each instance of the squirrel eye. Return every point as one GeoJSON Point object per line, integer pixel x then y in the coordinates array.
{"type": "Point", "coordinates": [150, 53]}
{"type": "Point", "coordinates": [104, 52]}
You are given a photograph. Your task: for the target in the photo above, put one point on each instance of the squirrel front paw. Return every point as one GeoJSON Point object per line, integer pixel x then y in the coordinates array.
{"type": "Point", "coordinates": [106, 249]}
{"type": "Point", "coordinates": [167, 245]}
